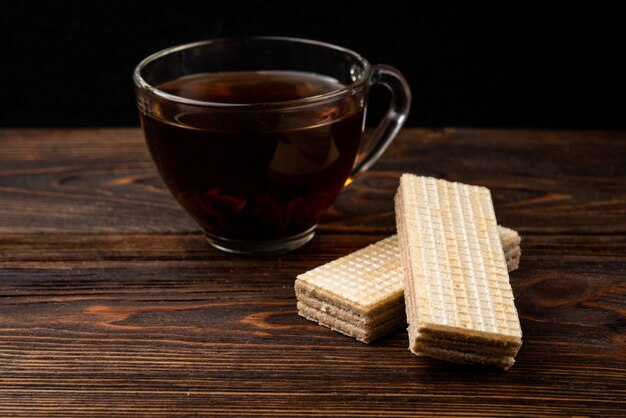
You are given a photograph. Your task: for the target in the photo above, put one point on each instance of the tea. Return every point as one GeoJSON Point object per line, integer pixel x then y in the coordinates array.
{"type": "Point", "coordinates": [261, 182]}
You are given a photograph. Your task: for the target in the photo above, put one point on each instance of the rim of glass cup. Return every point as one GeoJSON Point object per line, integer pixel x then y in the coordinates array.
{"type": "Point", "coordinates": [144, 85]}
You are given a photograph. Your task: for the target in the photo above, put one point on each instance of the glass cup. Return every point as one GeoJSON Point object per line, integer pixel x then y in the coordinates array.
{"type": "Point", "coordinates": [255, 137]}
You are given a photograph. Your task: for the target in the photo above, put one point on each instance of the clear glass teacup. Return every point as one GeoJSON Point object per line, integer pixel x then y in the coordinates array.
{"type": "Point", "coordinates": [255, 137]}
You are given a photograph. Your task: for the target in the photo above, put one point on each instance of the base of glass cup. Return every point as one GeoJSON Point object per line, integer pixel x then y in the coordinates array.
{"type": "Point", "coordinates": [261, 247]}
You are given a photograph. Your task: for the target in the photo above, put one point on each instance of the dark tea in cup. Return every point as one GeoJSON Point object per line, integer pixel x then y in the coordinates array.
{"type": "Point", "coordinates": [260, 185]}
{"type": "Point", "coordinates": [255, 138]}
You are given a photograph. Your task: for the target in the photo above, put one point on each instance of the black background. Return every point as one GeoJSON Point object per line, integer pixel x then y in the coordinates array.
{"type": "Point", "coordinates": [494, 64]}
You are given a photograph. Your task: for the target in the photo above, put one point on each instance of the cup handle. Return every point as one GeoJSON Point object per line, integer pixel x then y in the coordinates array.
{"type": "Point", "coordinates": [393, 120]}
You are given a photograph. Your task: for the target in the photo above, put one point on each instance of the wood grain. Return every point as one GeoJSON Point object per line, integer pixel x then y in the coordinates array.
{"type": "Point", "coordinates": [111, 302]}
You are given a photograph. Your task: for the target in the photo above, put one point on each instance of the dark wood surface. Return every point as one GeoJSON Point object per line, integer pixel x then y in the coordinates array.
{"type": "Point", "coordinates": [111, 302]}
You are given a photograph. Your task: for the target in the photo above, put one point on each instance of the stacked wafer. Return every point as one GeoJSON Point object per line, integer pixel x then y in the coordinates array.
{"type": "Point", "coordinates": [510, 241]}
{"type": "Point", "coordinates": [459, 302]}
{"type": "Point", "coordinates": [361, 294]}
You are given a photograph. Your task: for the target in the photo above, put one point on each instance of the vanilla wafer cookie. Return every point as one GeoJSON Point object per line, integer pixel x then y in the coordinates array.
{"type": "Point", "coordinates": [359, 295]}
{"type": "Point", "coordinates": [455, 273]}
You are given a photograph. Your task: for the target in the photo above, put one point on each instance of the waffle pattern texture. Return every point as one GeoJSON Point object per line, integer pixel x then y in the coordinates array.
{"type": "Point", "coordinates": [455, 273]}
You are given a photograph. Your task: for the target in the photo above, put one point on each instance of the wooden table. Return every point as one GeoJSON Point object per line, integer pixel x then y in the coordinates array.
{"type": "Point", "coordinates": [111, 302]}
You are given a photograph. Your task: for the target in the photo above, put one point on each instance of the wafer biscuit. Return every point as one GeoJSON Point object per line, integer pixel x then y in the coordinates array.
{"type": "Point", "coordinates": [324, 293]}
{"type": "Point", "coordinates": [456, 283]}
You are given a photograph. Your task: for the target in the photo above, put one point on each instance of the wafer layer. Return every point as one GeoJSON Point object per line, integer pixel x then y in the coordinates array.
{"type": "Point", "coordinates": [349, 316]}
{"type": "Point", "coordinates": [464, 357]}
{"type": "Point", "coordinates": [363, 334]}
{"type": "Point", "coordinates": [455, 273]}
